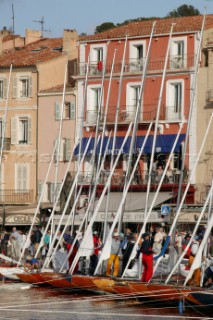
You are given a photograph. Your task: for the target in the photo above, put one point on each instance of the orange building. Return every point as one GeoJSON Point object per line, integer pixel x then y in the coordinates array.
{"type": "Point", "coordinates": [99, 50]}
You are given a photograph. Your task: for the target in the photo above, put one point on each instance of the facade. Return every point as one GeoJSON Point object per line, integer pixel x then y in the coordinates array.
{"type": "Point", "coordinates": [50, 102]}
{"type": "Point", "coordinates": [36, 66]}
{"type": "Point", "coordinates": [175, 97]}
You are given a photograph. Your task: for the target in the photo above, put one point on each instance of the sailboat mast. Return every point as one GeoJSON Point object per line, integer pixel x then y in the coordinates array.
{"type": "Point", "coordinates": [5, 118]}
{"type": "Point", "coordinates": [60, 132]}
{"type": "Point", "coordinates": [135, 127]}
{"type": "Point", "coordinates": [157, 120]}
{"type": "Point", "coordinates": [191, 109]}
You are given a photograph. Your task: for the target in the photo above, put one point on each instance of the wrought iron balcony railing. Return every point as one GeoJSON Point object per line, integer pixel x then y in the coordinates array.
{"type": "Point", "coordinates": [12, 196]}
{"type": "Point", "coordinates": [7, 143]}
{"type": "Point", "coordinates": [175, 62]}
{"type": "Point", "coordinates": [171, 177]}
{"type": "Point", "coordinates": [127, 114]}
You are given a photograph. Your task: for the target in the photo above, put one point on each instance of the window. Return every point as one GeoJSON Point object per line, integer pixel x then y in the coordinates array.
{"type": "Point", "coordinates": [22, 87]}
{"type": "Point", "coordinates": [22, 176]}
{"type": "Point", "coordinates": [178, 53]}
{"type": "Point", "coordinates": [133, 98]}
{"type": "Point", "coordinates": [137, 49]}
{"type": "Point", "coordinates": [69, 111]}
{"type": "Point", "coordinates": [3, 88]}
{"type": "Point", "coordinates": [64, 151]}
{"type": "Point", "coordinates": [175, 100]}
{"type": "Point", "coordinates": [97, 57]}
{"type": "Point", "coordinates": [21, 130]}
{"type": "Point", "coordinates": [93, 102]}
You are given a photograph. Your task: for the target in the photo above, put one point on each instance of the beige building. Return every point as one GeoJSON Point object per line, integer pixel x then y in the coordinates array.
{"type": "Point", "coordinates": [36, 66]}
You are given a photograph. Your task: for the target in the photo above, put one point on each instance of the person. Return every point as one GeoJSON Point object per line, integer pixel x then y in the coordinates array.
{"type": "Point", "coordinates": [38, 236]}
{"type": "Point", "coordinates": [115, 254]}
{"type": "Point", "coordinates": [147, 258]}
{"type": "Point", "coordinates": [4, 242]}
{"type": "Point", "coordinates": [195, 279]}
{"type": "Point", "coordinates": [154, 170]}
{"type": "Point", "coordinates": [31, 263]}
{"type": "Point", "coordinates": [178, 242]}
{"type": "Point", "coordinates": [159, 174]}
{"type": "Point", "coordinates": [16, 241]}
{"type": "Point", "coordinates": [169, 175]}
{"type": "Point", "coordinates": [127, 250]}
{"type": "Point", "coordinates": [94, 256]}
{"type": "Point", "coordinates": [60, 258]}
{"type": "Point", "coordinates": [208, 277]}
{"type": "Point", "coordinates": [158, 239]}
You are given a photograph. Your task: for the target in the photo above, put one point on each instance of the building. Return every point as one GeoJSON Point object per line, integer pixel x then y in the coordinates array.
{"type": "Point", "coordinates": [175, 102]}
{"type": "Point", "coordinates": [37, 65]}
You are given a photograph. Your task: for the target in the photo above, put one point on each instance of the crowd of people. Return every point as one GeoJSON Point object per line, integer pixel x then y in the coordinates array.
{"type": "Point", "coordinates": [15, 242]}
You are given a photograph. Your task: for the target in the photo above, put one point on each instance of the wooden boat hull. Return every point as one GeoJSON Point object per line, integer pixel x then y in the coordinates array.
{"type": "Point", "coordinates": [85, 282]}
{"type": "Point", "coordinates": [56, 279]}
{"type": "Point", "coordinates": [31, 278]}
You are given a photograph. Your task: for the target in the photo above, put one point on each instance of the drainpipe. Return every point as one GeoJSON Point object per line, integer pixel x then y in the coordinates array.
{"type": "Point", "coordinates": [36, 195]}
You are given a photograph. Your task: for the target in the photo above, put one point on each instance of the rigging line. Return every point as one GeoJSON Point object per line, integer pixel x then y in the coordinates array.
{"type": "Point", "coordinates": [109, 314]}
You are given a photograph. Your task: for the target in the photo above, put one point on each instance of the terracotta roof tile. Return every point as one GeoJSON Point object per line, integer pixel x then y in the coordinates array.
{"type": "Point", "coordinates": [58, 88]}
{"type": "Point", "coordinates": [143, 28]}
{"type": "Point", "coordinates": [33, 53]}
{"type": "Point", "coordinates": [9, 37]}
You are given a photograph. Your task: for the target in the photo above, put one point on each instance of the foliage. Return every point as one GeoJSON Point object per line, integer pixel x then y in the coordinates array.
{"type": "Point", "coordinates": [184, 11]}
{"type": "Point", "coordinates": [104, 27]}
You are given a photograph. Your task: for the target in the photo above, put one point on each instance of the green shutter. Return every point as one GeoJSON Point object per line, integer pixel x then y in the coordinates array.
{"type": "Point", "coordinates": [72, 110]}
{"type": "Point", "coordinates": [57, 111]}
{"type": "Point", "coordinates": [5, 88]}
{"type": "Point", "coordinates": [30, 87]}
{"type": "Point", "coordinates": [14, 133]}
{"type": "Point", "coordinates": [67, 149]}
{"type": "Point", "coordinates": [15, 88]}
{"type": "Point", "coordinates": [29, 140]}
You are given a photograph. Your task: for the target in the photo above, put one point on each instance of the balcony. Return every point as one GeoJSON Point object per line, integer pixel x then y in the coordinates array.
{"type": "Point", "coordinates": [11, 196]}
{"type": "Point", "coordinates": [172, 177]}
{"type": "Point", "coordinates": [136, 66]}
{"type": "Point", "coordinates": [127, 115]}
{"type": "Point", "coordinates": [6, 145]}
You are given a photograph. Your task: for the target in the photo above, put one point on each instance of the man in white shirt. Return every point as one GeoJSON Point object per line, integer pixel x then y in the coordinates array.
{"type": "Point", "coordinates": [158, 239]}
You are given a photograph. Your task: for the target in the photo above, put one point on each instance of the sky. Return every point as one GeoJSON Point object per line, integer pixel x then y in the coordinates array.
{"type": "Point", "coordinates": [85, 15]}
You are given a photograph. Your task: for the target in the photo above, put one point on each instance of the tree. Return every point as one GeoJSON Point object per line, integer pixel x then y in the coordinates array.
{"type": "Point", "coordinates": [104, 26]}
{"type": "Point", "coordinates": [184, 11]}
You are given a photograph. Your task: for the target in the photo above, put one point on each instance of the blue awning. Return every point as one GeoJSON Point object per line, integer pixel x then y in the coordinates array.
{"type": "Point", "coordinates": [164, 144]}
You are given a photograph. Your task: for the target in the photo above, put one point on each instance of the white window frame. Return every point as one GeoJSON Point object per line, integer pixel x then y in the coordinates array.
{"type": "Point", "coordinates": [18, 86]}
{"type": "Point", "coordinates": [136, 64]}
{"type": "Point", "coordinates": [15, 130]}
{"type": "Point", "coordinates": [22, 167]}
{"type": "Point", "coordinates": [130, 105]}
{"type": "Point", "coordinates": [92, 108]}
{"type": "Point", "coordinates": [3, 88]}
{"type": "Point", "coordinates": [178, 61]}
{"type": "Point", "coordinates": [94, 61]}
{"type": "Point", "coordinates": [170, 114]}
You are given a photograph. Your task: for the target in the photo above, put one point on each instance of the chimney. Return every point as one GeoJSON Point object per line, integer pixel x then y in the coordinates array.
{"type": "Point", "coordinates": [32, 36]}
{"type": "Point", "coordinates": [69, 43]}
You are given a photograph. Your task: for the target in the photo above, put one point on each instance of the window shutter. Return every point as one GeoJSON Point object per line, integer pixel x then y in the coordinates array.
{"type": "Point", "coordinates": [57, 111]}
{"type": "Point", "coordinates": [67, 149]}
{"type": "Point", "coordinates": [19, 177]}
{"type": "Point", "coordinates": [40, 185]}
{"type": "Point", "coordinates": [72, 110]}
{"type": "Point", "coordinates": [24, 177]}
{"type": "Point", "coordinates": [14, 132]}
{"type": "Point", "coordinates": [30, 86]}
{"type": "Point", "coordinates": [56, 150]}
{"type": "Point", "coordinates": [5, 89]}
{"type": "Point", "coordinates": [15, 88]}
{"type": "Point", "coordinates": [29, 138]}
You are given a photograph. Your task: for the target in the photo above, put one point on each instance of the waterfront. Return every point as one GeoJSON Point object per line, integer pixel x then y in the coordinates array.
{"type": "Point", "coordinates": [20, 301]}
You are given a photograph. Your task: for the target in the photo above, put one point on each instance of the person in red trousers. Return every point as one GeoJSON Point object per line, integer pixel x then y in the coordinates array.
{"type": "Point", "coordinates": [147, 258]}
